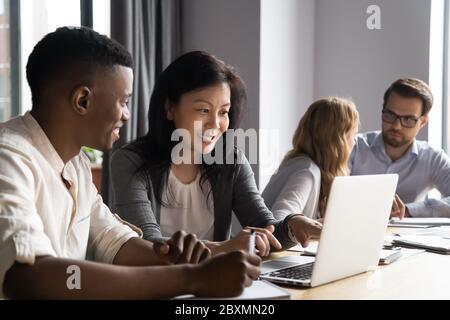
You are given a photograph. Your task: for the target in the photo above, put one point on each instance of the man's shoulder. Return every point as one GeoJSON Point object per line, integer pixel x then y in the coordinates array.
{"type": "Point", "coordinates": [17, 153]}
{"type": "Point", "coordinates": [13, 138]}
{"type": "Point", "coordinates": [425, 148]}
{"type": "Point", "coordinates": [366, 139]}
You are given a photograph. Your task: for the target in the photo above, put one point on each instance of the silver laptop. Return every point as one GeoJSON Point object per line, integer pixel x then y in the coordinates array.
{"type": "Point", "coordinates": [352, 237]}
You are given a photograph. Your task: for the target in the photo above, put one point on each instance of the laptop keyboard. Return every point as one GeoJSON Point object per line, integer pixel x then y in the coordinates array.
{"type": "Point", "coordinates": [300, 272]}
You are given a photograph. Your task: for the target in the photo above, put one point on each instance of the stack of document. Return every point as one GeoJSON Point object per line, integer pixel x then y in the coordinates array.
{"type": "Point", "coordinates": [387, 255]}
{"type": "Point", "coordinates": [432, 243]}
{"type": "Point", "coordinates": [419, 222]}
{"type": "Point", "coordinates": [443, 232]}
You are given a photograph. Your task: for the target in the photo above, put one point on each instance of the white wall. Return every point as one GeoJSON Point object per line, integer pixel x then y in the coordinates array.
{"type": "Point", "coordinates": [353, 61]}
{"type": "Point", "coordinates": [230, 30]}
{"type": "Point", "coordinates": [436, 73]}
{"type": "Point", "coordinates": [291, 52]}
{"type": "Point", "coordinates": [286, 76]}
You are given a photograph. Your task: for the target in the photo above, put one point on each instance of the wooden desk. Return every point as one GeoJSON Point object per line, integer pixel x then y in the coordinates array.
{"type": "Point", "coordinates": [421, 276]}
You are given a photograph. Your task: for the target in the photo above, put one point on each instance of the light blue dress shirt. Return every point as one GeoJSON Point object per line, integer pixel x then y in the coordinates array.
{"type": "Point", "coordinates": [421, 169]}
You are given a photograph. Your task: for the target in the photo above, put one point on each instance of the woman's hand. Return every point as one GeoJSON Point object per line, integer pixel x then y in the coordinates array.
{"type": "Point", "coordinates": [264, 240]}
{"type": "Point", "coordinates": [304, 229]}
{"type": "Point", "coordinates": [182, 248]}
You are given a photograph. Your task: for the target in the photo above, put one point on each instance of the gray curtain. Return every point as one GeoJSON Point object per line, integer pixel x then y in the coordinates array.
{"type": "Point", "coordinates": [150, 30]}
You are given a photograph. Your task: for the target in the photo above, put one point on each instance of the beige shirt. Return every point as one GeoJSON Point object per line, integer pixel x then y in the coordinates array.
{"type": "Point", "coordinates": [189, 209]}
{"type": "Point", "coordinates": [39, 215]}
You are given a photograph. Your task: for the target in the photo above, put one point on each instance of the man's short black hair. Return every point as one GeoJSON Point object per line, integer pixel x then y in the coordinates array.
{"type": "Point", "coordinates": [68, 50]}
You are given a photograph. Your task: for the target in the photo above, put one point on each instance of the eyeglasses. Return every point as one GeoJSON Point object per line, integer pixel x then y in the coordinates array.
{"type": "Point", "coordinates": [406, 121]}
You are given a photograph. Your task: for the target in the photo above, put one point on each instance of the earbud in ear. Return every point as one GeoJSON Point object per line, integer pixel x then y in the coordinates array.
{"type": "Point", "coordinates": [83, 103]}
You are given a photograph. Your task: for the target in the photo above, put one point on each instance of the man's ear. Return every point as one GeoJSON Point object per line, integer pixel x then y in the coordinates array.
{"type": "Point", "coordinates": [423, 121]}
{"type": "Point", "coordinates": [81, 99]}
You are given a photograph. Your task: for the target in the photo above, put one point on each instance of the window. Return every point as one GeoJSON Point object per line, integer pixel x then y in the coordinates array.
{"type": "Point", "coordinates": [439, 117]}
{"type": "Point", "coordinates": [9, 47]}
{"type": "Point", "coordinates": [101, 16]}
{"type": "Point", "coordinates": [37, 18]}
{"type": "Point", "coordinates": [5, 69]}
{"type": "Point", "coordinates": [34, 19]}
{"type": "Point", "coordinates": [446, 79]}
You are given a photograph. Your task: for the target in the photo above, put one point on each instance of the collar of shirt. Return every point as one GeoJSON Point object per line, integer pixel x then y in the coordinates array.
{"type": "Point", "coordinates": [378, 144]}
{"type": "Point", "coordinates": [45, 147]}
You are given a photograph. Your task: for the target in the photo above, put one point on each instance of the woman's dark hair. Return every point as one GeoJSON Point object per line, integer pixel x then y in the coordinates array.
{"type": "Point", "coordinates": [191, 71]}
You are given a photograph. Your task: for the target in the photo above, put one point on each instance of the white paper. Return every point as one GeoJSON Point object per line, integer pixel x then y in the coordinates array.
{"type": "Point", "coordinates": [259, 289]}
{"type": "Point", "coordinates": [420, 221]}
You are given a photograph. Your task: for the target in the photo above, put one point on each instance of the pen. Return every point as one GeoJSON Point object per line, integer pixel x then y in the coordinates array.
{"type": "Point", "coordinates": [251, 242]}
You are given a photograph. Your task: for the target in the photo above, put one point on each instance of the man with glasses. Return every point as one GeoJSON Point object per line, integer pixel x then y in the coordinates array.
{"type": "Point", "coordinates": [420, 167]}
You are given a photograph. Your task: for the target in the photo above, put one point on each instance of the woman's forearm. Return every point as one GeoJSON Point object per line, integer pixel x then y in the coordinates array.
{"type": "Point", "coordinates": [138, 252]}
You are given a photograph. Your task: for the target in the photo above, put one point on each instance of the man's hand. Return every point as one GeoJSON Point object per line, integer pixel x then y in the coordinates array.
{"type": "Point", "coordinates": [399, 209]}
{"type": "Point", "coordinates": [225, 275]}
{"type": "Point", "coordinates": [182, 248]}
{"type": "Point", "coordinates": [304, 229]}
{"type": "Point", "coordinates": [264, 240]}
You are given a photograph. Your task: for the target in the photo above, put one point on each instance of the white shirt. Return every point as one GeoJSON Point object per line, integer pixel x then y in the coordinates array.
{"type": "Point", "coordinates": [297, 196]}
{"type": "Point", "coordinates": [419, 170]}
{"type": "Point", "coordinates": [294, 188]}
{"type": "Point", "coordinates": [189, 209]}
{"type": "Point", "coordinates": [39, 215]}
